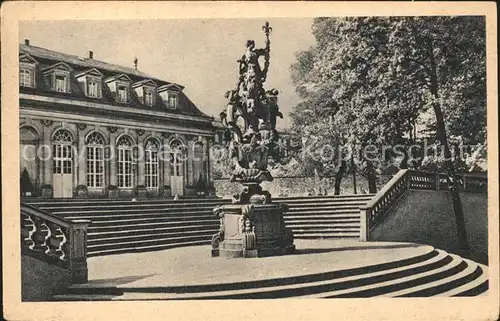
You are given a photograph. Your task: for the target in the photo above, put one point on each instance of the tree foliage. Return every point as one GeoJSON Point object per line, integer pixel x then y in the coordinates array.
{"type": "Point", "coordinates": [367, 81]}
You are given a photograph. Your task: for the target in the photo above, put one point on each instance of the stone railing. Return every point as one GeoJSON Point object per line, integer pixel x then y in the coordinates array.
{"type": "Point", "coordinates": [438, 181]}
{"type": "Point", "coordinates": [382, 202]}
{"type": "Point", "coordinates": [55, 241]}
{"type": "Point", "coordinates": [386, 198]}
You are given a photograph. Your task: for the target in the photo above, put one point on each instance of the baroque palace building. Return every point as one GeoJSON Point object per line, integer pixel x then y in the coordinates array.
{"type": "Point", "coordinates": [94, 129]}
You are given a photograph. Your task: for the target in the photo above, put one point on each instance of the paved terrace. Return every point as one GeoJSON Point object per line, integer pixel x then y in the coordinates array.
{"type": "Point", "coordinates": [194, 265]}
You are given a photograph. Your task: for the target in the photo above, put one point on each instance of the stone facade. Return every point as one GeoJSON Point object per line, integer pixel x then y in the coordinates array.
{"type": "Point", "coordinates": [83, 138]}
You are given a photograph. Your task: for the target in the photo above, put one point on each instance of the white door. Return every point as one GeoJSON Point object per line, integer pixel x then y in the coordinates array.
{"type": "Point", "coordinates": [176, 174]}
{"type": "Point", "coordinates": [62, 170]}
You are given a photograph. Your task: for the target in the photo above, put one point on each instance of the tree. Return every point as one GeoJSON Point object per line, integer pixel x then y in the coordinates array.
{"type": "Point", "coordinates": [349, 68]}
{"type": "Point", "coordinates": [447, 56]}
{"type": "Point", "coordinates": [384, 74]}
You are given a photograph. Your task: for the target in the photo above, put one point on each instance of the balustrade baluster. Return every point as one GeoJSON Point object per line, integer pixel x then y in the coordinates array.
{"type": "Point", "coordinates": [29, 225]}
{"type": "Point", "coordinates": [64, 246]}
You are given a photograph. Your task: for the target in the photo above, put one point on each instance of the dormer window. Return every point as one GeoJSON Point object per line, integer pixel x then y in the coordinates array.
{"type": "Point", "coordinates": [26, 78]}
{"type": "Point", "coordinates": [148, 98]}
{"type": "Point", "coordinates": [172, 101]}
{"type": "Point", "coordinates": [57, 77]}
{"type": "Point", "coordinates": [146, 92]}
{"type": "Point", "coordinates": [122, 96]}
{"type": "Point", "coordinates": [27, 71]}
{"type": "Point", "coordinates": [170, 95]}
{"type": "Point", "coordinates": [90, 80]}
{"type": "Point", "coordinates": [93, 89]}
{"type": "Point", "coordinates": [119, 86]}
{"type": "Point", "coordinates": [61, 83]}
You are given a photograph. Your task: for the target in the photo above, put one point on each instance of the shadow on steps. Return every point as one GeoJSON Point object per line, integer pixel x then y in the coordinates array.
{"type": "Point", "coordinates": [355, 248]}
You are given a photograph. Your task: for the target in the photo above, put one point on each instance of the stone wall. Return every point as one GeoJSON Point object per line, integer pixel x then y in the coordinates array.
{"type": "Point", "coordinates": [427, 217]}
{"type": "Point", "coordinates": [41, 280]}
{"type": "Point", "coordinates": [302, 186]}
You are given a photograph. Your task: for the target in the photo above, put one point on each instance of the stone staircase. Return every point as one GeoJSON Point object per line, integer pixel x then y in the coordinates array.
{"type": "Point", "coordinates": [125, 226]}
{"type": "Point", "coordinates": [426, 272]}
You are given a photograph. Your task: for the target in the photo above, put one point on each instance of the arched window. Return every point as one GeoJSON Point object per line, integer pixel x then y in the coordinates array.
{"type": "Point", "coordinates": [177, 158]}
{"type": "Point", "coordinates": [28, 160]}
{"type": "Point", "coordinates": [62, 153]}
{"type": "Point", "coordinates": [95, 160]}
{"type": "Point", "coordinates": [151, 162]}
{"type": "Point", "coordinates": [198, 163]}
{"type": "Point", "coordinates": [125, 163]}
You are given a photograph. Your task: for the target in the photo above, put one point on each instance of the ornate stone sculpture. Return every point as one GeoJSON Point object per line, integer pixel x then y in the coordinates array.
{"type": "Point", "coordinates": [253, 225]}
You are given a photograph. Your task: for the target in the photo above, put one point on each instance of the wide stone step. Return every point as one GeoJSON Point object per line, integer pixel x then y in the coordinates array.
{"type": "Point", "coordinates": [437, 271]}
{"type": "Point", "coordinates": [146, 248]}
{"type": "Point", "coordinates": [320, 208]}
{"type": "Point", "coordinates": [146, 226]}
{"type": "Point", "coordinates": [94, 206]}
{"type": "Point", "coordinates": [141, 216]}
{"type": "Point", "coordinates": [171, 220]}
{"type": "Point", "coordinates": [311, 235]}
{"type": "Point", "coordinates": [326, 202]}
{"type": "Point", "coordinates": [149, 242]}
{"type": "Point", "coordinates": [324, 227]}
{"type": "Point", "coordinates": [474, 286]}
{"type": "Point", "coordinates": [440, 286]}
{"type": "Point", "coordinates": [479, 290]}
{"type": "Point", "coordinates": [127, 210]}
{"type": "Point", "coordinates": [324, 222]}
{"type": "Point", "coordinates": [80, 201]}
{"type": "Point", "coordinates": [327, 197]}
{"type": "Point", "coordinates": [151, 234]}
{"type": "Point", "coordinates": [330, 212]}
{"type": "Point", "coordinates": [326, 216]}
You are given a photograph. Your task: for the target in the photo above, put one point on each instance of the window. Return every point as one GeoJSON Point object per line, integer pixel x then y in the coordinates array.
{"type": "Point", "coordinates": [122, 94]}
{"type": "Point", "coordinates": [26, 78]}
{"type": "Point", "coordinates": [47, 79]}
{"type": "Point", "coordinates": [151, 170]}
{"type": "Point", "coordinates": [62, 152]}
{"type": "Point", "coordinates": [176, 158]}
{"type": "Point", "coordinates": [198, 163]}
{"type": "Point", "coordinates": [93, 88]}
{"type": "Point", "coordinates": [95, 161]}
{"type": "Point", "coordinates": [125, 163]}
{"type": "Point", "coordinates": [172, 101]}
{"type": "Point", "coordinates": [148, 98]}
{"type": "Point", "coordinates": [61, 84]}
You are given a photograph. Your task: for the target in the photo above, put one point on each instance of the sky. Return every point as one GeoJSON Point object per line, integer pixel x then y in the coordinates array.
{"type": "Point", "coordinates": [199, 54]}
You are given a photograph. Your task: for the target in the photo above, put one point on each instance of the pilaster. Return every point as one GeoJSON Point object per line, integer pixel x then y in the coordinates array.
{"type": "Point", "coordinates": [141, 162]}
{"type": "Point", "coordinates": [112, 157]}
{"type": "Point", "coordinates": [81, 159]}
{"type": "Point", "coordinates": [165, 155]}
{"type": "Point", "coordinates": [47, 153]}
{"type": "Point", "coordinates": [189, 162]}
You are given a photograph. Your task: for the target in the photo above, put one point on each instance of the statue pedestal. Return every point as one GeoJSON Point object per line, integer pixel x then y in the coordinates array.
{"type": "Point", "coordinates": [252, 230]}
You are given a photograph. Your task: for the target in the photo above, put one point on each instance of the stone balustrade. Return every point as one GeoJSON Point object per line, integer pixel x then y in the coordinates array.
{"type": "Point", "coordinates": [382, 202]}
{"type": "Point", "coordinates": [55, 240]}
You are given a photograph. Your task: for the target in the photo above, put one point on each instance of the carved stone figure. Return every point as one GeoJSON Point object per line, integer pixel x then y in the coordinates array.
{"type": "Point", "coordinates": [253, 225]}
